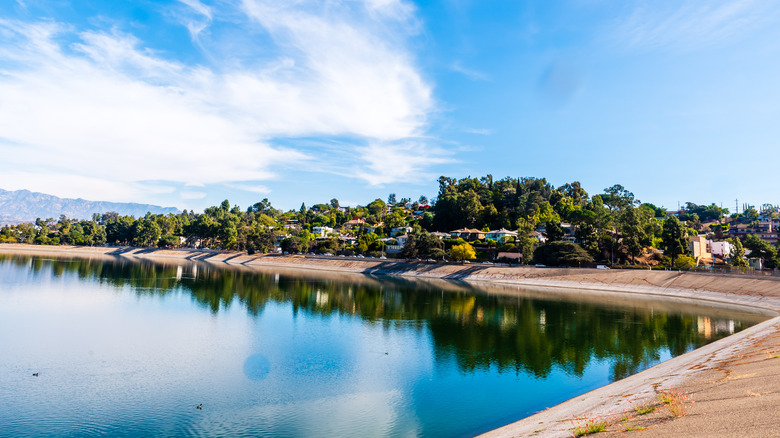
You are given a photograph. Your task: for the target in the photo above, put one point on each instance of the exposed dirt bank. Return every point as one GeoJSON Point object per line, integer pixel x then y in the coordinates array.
{"type": "Point", "coordinates": [695, 371]}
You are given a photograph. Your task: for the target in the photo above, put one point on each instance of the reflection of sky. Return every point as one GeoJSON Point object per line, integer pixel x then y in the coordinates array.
{"type": "Point", "coordinates": [120, 361]}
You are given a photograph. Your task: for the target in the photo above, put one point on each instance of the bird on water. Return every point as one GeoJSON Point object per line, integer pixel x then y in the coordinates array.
{"type": "Point", "coordinates": [200, 406]}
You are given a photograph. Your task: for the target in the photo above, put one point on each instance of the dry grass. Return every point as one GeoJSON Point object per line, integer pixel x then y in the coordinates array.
{"type": "Point", "coordinates": [674, 401]}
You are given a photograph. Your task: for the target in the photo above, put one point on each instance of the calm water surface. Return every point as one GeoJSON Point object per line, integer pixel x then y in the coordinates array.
{"type": "Point", "coordinates": [127, 348]}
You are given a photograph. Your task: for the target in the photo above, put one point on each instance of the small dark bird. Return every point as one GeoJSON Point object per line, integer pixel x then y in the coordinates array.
{"type": "Point", "coordinates": [200, 406]}
{"type": "Point", "coordinates": [386, 352]}
{"type": "Point", "coordinates": [35, 374]}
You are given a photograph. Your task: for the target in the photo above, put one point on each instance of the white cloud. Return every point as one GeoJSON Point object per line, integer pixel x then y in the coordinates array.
{"type": "Point", "coordinates": [683, 25]}
{"type": "Point", "coordinates": [100, 103]}
{"type": "Point", "coordinates": [387, 163]}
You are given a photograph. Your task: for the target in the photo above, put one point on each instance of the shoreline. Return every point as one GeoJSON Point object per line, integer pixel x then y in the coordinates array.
{"type": "Point", "coordinates": [758, 294]}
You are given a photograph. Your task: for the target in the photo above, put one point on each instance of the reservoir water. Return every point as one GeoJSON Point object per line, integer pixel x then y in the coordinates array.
{"type": "Point", "coordinates": [133, 348]}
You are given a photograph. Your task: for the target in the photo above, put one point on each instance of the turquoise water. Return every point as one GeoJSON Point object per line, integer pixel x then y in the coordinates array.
{"type": "Point", "coordinates": [125, 348]}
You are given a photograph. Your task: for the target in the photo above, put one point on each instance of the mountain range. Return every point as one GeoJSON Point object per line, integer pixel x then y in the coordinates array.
{"type": "Point", "coordinates": [25, 206]}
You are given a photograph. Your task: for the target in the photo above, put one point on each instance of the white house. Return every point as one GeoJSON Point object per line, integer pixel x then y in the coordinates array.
{"type": "Point", "coordinates": [321, 231]}
{"type": "Point", "coordinates": [498, 235]}
{"type": "Point", "coordinates": [722, 249]}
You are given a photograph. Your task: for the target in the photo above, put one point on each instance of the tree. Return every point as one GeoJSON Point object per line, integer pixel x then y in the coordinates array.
{"type": "Point", "coordinates": [561, 253]}
{"type": "Point", "coordinates": [146, 232]}
{"type": "Point", "coordinates": [685, 262]}
{"type": "Point", "coordinates": [526, 246]}
{"type": "Point", "coordinates": [423, 200]}
{"type": "Point", "coordinates": [391, 199]}
{"type": "Point", "coordinates": [738, 254]}
{"type": "Point", "coordinates": [377, 207]}
{"type": "Point", "coordinates": [618, 198]}
{"type": "Point", "coordinates": [674, 238]}
{"type": "Point", "coordinates": [761, 249]}
{"type": "Point", "coordinates": [422, 244]}
{"type": "Point", "coordinates": [462, 252]}
{"type": "Point", "coordinates": [334, 203]}
{"type": "Point", "coordinates": [553, 231]}
{"type": "Point", "coordinates": [263, 206]}
{"type": "Point", "coordinates": [632, 230]}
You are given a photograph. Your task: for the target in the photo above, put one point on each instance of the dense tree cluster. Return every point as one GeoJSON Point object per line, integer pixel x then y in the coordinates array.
{"type": "Point", "coordinates": [610, 227]}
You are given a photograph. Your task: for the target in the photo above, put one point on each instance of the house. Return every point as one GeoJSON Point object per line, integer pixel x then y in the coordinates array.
{"type": "Point", "coordinates": [372, 228]}
{"type": "Point", "coordinates": [467, 234]}
{"type": "Point", "coordinates": [400, 230]}
{"type": "Point", "coordinates": [499, 235]}
{"type": "Point", "coordinates": [699, 247]}
{"type": "Point", "coordinates": [355, 223]}
{"type": "Point", "coordinates": [765, 231]}
{"type": "Point", "coordinates": [721, 248]}
{"type": "Point", "coordinates": [440, 235]}
{"type": "Point", "coordinates": [321, 231]}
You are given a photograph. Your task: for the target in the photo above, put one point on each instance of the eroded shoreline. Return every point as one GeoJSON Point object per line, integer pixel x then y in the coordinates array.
{"type": "Point", "coordinates": [743, 292]}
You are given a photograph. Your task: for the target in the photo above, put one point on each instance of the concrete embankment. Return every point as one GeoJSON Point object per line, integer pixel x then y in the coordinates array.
{"type": "Point", "coordinates": [742, 291]}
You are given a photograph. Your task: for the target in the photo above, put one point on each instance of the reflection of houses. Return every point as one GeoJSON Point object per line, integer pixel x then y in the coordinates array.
{"type": "Point", "coordinates": [499, 235]}
{"type": "Point", "coordinates": [707, 328]}
{"type": "Point", "coordinates": [467, 234]}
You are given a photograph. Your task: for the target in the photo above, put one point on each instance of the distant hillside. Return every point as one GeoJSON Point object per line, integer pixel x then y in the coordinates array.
{"type": "Point", "coordinates": [25, 206]}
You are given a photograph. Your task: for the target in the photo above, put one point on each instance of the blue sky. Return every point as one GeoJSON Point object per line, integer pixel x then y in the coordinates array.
{"type": "Point", "coordinates": [188, 102]}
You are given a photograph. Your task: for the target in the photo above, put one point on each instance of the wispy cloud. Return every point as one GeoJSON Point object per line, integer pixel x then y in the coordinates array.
{"type": "Point", "coordinates": [253, 188]}
{"type": "Point", "coordinates": [100, 103]}
{"type": "Point", "coordinates": [474, 75]}
{"type": "Point", "coordinates": [689, 24]}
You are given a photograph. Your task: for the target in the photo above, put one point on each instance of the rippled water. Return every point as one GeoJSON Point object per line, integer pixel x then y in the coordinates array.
{"type": "Point", "coordinates": [128, 348]}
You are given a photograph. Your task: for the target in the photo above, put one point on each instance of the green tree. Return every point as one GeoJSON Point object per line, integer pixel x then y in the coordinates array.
{"type": "Point", "coordinates": [738, 254]}
{"type": "Point", "coordinates": [632, 231]}
{"type": "Point", "coordinates": [561, 253]}
{"type": "Point", "coordinates": [146, 232]}
{"type": "Point", "coordinates": [761, 249]}
{"type": "Point", "coordinates": [553, 231]}
{"type": "Point", "coordinates": [674, 238]}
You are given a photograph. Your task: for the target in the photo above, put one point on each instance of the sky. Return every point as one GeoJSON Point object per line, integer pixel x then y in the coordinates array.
{"type": "Point", "coordinates": [186, 103]}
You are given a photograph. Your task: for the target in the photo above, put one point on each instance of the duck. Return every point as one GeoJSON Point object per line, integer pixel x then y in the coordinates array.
{"type": "Point", "coordinates": [200, 406]}
{"type": "Point", "coordinates": [35, 374]}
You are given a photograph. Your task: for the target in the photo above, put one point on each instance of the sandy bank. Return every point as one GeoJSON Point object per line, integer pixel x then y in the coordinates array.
{"type": "Point", "coordinates": [738, 290]}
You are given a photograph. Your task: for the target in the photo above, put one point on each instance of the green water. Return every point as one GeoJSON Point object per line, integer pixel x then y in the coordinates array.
{"type": "Point", "coordinates": [130, 348]}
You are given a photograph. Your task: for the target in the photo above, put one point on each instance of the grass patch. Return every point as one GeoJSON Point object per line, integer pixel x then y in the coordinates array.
{"type": "Point", "coordinates": [674, 401]}
{"type": "Point", "coordinates": [591, 425]}
{"type": "Point", "coordinates": [645, 409]}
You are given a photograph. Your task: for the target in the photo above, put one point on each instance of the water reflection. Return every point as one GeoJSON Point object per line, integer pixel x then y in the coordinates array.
{"type": "Point", "coordinates": [509, 332]}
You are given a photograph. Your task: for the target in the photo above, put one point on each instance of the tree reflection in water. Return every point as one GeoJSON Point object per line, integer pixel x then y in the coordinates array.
{"type": "Point", "coordinates": [512, 333]}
